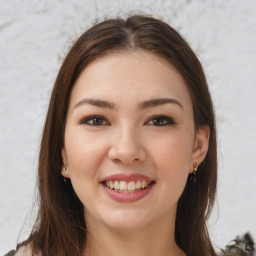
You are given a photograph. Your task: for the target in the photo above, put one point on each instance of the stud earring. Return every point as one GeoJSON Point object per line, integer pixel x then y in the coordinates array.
{"type": "Point", "coordinates": [63, 170]}
{"type": "Point", "coordinates": [193, 176]}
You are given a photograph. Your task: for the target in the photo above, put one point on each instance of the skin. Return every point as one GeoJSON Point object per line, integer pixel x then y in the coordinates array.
{"type": "Point", "coordinates": [129, 139]}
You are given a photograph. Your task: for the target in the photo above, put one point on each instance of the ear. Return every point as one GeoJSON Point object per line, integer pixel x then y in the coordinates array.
{"type": "Point", "coordinates": [64, 170]}
{"type": "Point", "coordinates": [200, 147]}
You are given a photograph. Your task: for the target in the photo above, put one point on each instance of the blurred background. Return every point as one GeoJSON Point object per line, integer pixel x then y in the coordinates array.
{"type": "Point", "coordinates": [35, 36]}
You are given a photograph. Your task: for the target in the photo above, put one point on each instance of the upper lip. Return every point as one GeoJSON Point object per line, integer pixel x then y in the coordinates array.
{"type": "Point", "coordinates": [127, 177]}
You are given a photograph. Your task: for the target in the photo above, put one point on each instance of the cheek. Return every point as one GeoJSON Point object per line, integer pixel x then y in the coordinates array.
{"type": "Point", "coordinates": [84, 159]}
{"type": "Point", "coordinates": [84, 154]}
{"type": "Point", "coordinates": [173, 151]}
{"type": "Point", "coordinates": [172, 159]}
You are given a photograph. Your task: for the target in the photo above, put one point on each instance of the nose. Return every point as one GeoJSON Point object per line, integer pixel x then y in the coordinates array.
{"type": "Point", "coordinates": [127, 147]}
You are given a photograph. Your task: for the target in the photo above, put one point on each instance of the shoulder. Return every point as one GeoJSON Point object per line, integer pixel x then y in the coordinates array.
{"type": "Point", "coordinates": [242, 245]}
{"type": "Point", "coordinates": [10, 253]}
{"type": "Point", "coordinates": [22, 251]}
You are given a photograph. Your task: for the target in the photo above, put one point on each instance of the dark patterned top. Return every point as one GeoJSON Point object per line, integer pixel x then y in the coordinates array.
{"type": "Point", "coordinates": [11, 253]}
{"type": "Point", "coordinates": [240, 246]}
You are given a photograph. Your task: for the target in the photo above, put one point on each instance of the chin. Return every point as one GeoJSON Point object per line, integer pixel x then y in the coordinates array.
{"type": "Point", "coordinates": [125, 220]}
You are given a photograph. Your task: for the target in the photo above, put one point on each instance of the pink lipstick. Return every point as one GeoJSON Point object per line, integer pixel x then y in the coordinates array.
{"type": "Point", "coordinates": [127, 187]}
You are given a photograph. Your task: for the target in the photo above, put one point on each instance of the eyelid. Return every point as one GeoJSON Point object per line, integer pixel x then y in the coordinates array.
{"type": "Point", "coordinates": [85, 120]}
{"type": "Point", "coordinates": [169, 120]}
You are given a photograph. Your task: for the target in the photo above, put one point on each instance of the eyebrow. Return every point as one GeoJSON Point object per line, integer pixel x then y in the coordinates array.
{"type": "Point", "coordinates": [158, 102]}
{"type": "Point", "coordinates": [145, 104]}
{"type": "Point", "coordinates": [97, 103]}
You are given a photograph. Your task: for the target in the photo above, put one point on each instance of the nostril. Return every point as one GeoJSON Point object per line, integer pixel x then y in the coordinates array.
{"type": "Point", "coordinates": [126, 160]}
{"type": "Point", "coordinates": [127, 154]}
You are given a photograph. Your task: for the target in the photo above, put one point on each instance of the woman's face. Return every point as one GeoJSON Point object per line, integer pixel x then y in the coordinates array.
{"type": "Point", "coordinates": [130, 141]}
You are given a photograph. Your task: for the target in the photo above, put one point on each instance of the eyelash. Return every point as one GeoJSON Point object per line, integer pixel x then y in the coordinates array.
{"type": "Point", "coordinates": [164, 120]}
{"type": "Point", "coordinates": [94, 118]}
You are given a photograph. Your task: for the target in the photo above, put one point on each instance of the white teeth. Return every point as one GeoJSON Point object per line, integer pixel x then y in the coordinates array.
{"type": "Point", "coordinates": [138, 184]}
{"type": "Point", "coordinates": [116, 184]}
{"type": "Point", "coordinates": [123, 185]}
{"type": "Point", "coordinates": [111, 185]}
{"type": "Point", "coordinates": [131, 185]}
{"type": "Point", "coordinates": [127, 187]}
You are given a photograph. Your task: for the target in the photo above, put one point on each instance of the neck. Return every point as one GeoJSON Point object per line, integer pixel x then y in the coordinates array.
{"type": "Point", "coordinates": [156, 239]}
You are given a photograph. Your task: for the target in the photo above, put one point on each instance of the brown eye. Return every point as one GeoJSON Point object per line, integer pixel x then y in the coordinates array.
{"type": "Point", "coordinates": [97, 121]}
{"type": "Point", "coordinates": [94, 121]}
{"type": "Point", "coordinates": [160, 121]}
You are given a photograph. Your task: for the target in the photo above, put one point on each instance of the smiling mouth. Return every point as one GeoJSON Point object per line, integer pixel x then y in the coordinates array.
{"type": "Point", "coordinates": [127, 187]}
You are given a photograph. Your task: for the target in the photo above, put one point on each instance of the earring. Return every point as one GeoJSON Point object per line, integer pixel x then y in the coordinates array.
{"type": "Point", "coordinates": [63, 170]}
{"type": "Point", "coordinates": [193, 177]}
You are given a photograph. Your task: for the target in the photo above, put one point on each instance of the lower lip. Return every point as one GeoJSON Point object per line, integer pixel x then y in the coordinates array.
{"type": "Point", "coordinates": [128, 197]}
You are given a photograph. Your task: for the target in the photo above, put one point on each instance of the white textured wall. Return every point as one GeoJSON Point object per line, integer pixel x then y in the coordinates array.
{"type": "Point", "coordinates": [34, 35]}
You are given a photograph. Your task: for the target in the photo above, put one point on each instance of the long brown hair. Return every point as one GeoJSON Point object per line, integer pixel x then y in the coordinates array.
{"type": "Point", "coordinates": [60, 228]}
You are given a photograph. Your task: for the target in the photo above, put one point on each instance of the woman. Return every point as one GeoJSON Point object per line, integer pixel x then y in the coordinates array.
{"type": "Point", "coordinates": [128, 161]}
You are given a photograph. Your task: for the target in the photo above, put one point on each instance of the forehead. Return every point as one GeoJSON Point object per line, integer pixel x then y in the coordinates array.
{"type": "Point", "coordinates": [136, 75]}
